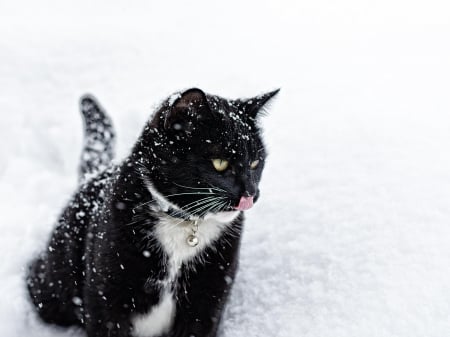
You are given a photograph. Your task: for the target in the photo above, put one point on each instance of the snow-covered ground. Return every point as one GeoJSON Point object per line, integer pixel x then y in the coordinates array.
{"type": "Point", "coordinates": [352, 233]}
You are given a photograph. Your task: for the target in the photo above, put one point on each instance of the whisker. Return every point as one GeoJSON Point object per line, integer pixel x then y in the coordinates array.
{"type": "Point", "coordinates": [224, 207]}
{"type": "Point", "coordinates": [196, 202]}
{"type": "Point", "coordinates": [144, 203]}
{"type": "Point", "coordinates": [218, 208]}
{"type": "Point", "coordinates": [200, 188]}
{"type": "Point", "coordinates": [208, 207]}
{"type": "Point", "coordinates": [150, 201]}
{"type": "Point", "coordinates": [193, 205]}
{"type": "Point", "coordinates": [190, 193]}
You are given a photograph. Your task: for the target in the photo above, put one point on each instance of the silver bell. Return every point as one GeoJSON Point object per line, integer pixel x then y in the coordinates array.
{"type": "Point", "coordinates": [192, 240]}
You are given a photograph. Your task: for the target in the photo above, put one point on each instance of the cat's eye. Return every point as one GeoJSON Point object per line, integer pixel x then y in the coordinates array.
{"type": "Point", "coordinates": [220, 164]}
{"type": "Point", "coordinates": [254, 164]}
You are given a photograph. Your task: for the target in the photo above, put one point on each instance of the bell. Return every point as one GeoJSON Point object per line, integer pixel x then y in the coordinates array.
{"type": "Point", "coordinates": [192, 240]}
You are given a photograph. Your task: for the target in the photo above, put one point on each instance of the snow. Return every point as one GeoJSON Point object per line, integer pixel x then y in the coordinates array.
{"type": "Point", "coordinates": [350, 236]}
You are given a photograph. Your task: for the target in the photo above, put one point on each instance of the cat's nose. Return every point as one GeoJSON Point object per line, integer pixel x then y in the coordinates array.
{"type": "Point", "coordinates": [248, 189]}
{"type": "Point", "coordinates": [248, 194]}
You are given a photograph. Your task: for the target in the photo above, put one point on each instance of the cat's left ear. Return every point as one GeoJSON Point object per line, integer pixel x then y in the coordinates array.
{"type": "Point", "coordinates": [190, 106]}
{"type": "Point", "coordinates": [253, 106]}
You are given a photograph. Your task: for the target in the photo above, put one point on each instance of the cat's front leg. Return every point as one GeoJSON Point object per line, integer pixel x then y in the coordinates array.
{"type": "Point", "coordinates": [201, 302]}
{"type": "Point", "coordinates": [199, 316]}
{"type": "Point", "coordinates": [105, 315]}
{"type": "Point", "coordinates": [101, 326]}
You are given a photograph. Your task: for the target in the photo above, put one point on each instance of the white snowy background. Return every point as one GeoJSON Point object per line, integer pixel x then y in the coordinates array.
{"type": "Point", "coordinates": [351, 237]}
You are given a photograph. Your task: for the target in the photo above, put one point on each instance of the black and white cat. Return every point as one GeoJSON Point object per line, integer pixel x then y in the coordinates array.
{"type": "Point", "coordinates": [150, 247]}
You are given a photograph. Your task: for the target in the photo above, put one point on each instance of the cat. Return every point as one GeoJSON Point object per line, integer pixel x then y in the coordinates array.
{"type": "Point", "coordinates": [149, 247]}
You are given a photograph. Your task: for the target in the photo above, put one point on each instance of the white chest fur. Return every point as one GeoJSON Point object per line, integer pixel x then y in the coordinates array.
{"type": "Point", "coordinates": [172, 234]}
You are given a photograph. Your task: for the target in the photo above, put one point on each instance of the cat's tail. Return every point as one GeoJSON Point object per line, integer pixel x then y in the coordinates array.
{"type": "Point", "coordinates": [99, 136]}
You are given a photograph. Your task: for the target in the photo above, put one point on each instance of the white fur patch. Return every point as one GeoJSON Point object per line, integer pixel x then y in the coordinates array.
{"type": "Point", "coordinates": [158, 320]}
{"type": "Point", "coordinates": [172, 234]}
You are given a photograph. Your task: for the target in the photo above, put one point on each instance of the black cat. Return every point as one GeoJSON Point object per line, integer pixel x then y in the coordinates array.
{"type": "Point", "coordinates": [150, 247]}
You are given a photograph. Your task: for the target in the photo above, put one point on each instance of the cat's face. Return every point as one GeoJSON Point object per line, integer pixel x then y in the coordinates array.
{"type": "Point", "coordinates": [207, 152]}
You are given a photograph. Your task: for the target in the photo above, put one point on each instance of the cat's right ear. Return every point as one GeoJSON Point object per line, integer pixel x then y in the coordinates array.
{"type": "Point", "coordinates": [254, 106]}
{"type": "Point", "coordinates": [189, 106]}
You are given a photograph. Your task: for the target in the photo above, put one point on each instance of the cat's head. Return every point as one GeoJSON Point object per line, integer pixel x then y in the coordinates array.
{"type": "Point", "coordinates": [204, 154]}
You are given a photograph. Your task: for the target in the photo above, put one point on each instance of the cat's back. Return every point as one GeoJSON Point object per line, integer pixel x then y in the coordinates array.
{"type": "Point", "coordinates": [75, 223]}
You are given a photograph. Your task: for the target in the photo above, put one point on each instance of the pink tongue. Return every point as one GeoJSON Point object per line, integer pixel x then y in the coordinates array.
{"type": "Point", "coordinates": [245, 203]}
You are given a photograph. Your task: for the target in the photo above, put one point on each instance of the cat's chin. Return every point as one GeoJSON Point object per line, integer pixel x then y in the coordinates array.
{"type": "Point", "coordinates": [222, 217]}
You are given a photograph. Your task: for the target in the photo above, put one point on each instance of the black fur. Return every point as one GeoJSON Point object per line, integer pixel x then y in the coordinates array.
{"type": "Point", "coordinates": [103, 263]}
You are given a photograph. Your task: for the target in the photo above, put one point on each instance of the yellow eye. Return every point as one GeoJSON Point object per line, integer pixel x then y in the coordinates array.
{"type": "Point", "coordinates": [220, 164]}
{"type": "Point", "coordinates": [254, 164]}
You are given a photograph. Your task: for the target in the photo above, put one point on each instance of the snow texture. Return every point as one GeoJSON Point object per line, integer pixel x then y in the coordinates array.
{"type": "Point", "coordinates": [351, 235]}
